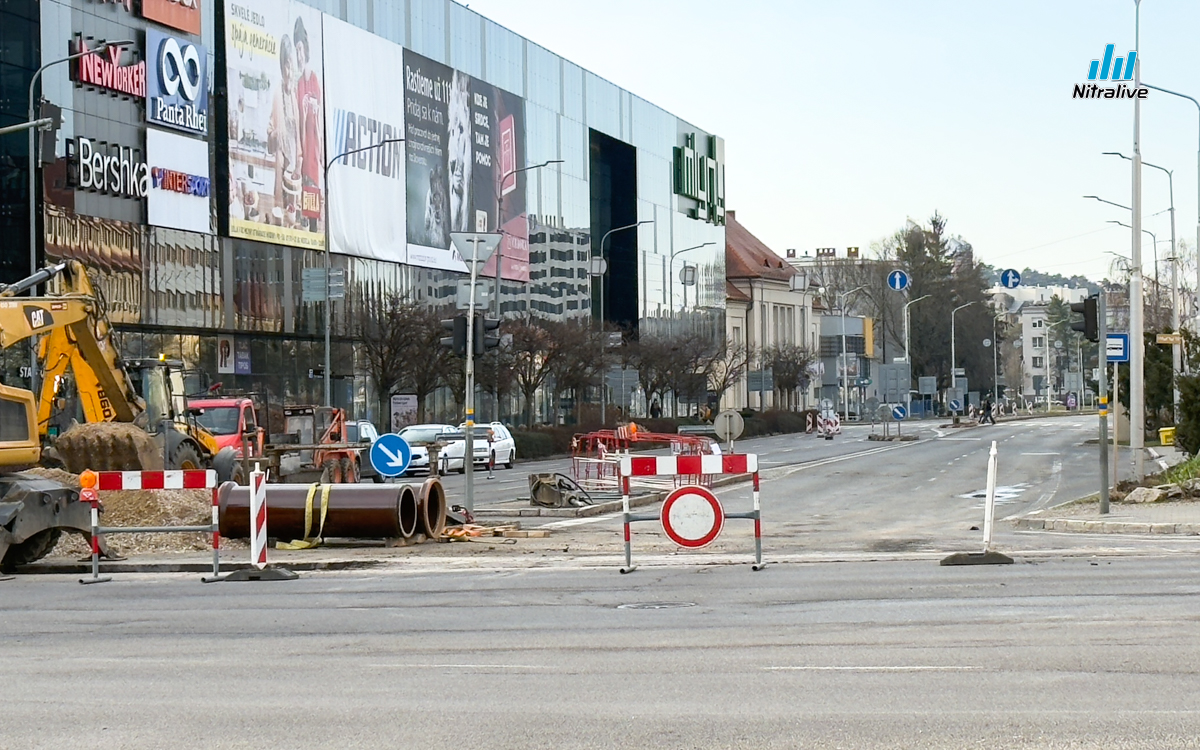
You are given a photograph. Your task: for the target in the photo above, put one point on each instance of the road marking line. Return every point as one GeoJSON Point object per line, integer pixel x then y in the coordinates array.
{"type": "Point", "coordinates": [458, 666]}
{"type": "Point", "coordinates": [961, 439]}
{"type": "Point", "coordinates": [1041, 454]}
{"type": "Point", "coordinates": [912, 668]}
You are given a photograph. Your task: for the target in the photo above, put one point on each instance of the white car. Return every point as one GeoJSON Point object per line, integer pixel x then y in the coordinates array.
{"type": "Point", "coordinates": [501, 449]}
{"type": "Point", "coordinates": [420, 436]}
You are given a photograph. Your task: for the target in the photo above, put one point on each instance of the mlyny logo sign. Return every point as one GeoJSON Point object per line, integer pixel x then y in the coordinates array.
{"type": "Point", "coordinates": [700, 176]}
{"type": "Point", "coordinates": [1121, 69]}
{"type": "Point", "coordinates": [107, 72]}
{"type": "Point", "coordinates": [177, 93]}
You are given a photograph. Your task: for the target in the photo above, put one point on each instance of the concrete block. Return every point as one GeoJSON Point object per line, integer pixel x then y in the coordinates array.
{"type": "Point", "coordinates": [1162, 528]}
{"type": "Point", "coordinates": [1137, 528]}
{"type": "Point", "coordinates": [1095, 527]}
{"type": "Point", "coordinates": [1076, 525]}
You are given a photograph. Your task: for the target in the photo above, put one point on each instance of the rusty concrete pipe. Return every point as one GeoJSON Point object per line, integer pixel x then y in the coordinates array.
{"type": "Point", "coordinates": [433, 508]}
{"type": "Point", "coordinates": [360, 511]}
{"type": "Point", "coordinates": [410, 512]}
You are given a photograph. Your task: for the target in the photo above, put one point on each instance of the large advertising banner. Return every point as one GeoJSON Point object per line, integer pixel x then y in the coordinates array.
{"type": "Point", "coordinates": [178, 195]}
{"type": "Point", "coordinates": [276, 122]}
{"type": "Point", "coordinates": [463, 137]}
{"type": "Point", "coordinates": [366, 190]}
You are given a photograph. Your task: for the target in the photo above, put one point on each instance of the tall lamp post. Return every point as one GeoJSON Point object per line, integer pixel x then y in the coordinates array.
{"type": "Point", "coordinates": [329, 252]}
{"type": "Point", "coordinates": [33, 235]}
{"type": "Point", "coordinates": [1137, 354]}
{"type": "Point", "coordinates": [603, 342]}
{"type": "Point", "coordinates": [1176, 349]}
{"type": "Point", "coordinates": [500, 248]}
{"type": "Point", "coordinates": [953, 341]}
{"type": "Point", "coordinates": [671, 271]}
{"type": "Point", "coordinates": [1154, 242]}
{"type": "Point", "coordinates": [907, 358]}
{"type": "Point", "coordinates": [845, 361]}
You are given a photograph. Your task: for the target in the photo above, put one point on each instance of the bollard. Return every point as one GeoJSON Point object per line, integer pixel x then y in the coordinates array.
{"type": "Point", "coordinates": [988, 556]}
{"type": "Point", "coordinates": [259, 570]}
{"type": "Point", "coordinates": [89, 495]}
{"type": "Point", "coordinates": [491, 457]}
{"type": "Point", "coordinates": [216, 543]}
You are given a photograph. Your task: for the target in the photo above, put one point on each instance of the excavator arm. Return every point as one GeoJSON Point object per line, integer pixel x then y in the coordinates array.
{"type": "Point", "coordinates": [76, 334]}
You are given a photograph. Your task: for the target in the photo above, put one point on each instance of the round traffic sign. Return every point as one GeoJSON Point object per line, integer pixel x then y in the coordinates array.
{"type": "Point", "coordinates": [692, 517]}
{"type": "Point", "coordinates": [1058, 345]}
{"type": "Point", "coordinates": [898, 280]}
{"type": "Point", "coordinates": [1010, 279]}
{"type": "Point", "coordinates": [899, 412]}
{"type": "Point", "coordinates": [987, 343]}
{"type": "Point", "coordinates": [390, 455]}
{"type": "Point", "coordinates": [729, 425]}
{"type": "Point", "coordinates": [955, 405]}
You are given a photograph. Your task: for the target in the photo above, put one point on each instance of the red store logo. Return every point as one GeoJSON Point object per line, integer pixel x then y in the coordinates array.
{"type": "Point", "coordinates": [108, 73]}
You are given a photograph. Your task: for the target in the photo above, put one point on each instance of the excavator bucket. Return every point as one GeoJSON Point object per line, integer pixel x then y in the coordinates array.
{"type": "Point", "coordinates": [109, 446]}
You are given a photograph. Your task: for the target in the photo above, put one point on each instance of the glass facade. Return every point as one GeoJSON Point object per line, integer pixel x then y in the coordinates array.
{"type": "Point", "coordinates": [177, 292]}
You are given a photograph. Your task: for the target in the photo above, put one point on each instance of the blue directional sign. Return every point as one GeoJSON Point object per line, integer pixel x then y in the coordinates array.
{"type": "Point", "coordinates": [390, 455]}
{"type": "Point", "coordinates": [1117, 348]}
{"type": "Point", "coordinates": [956, 405]}
{"type": "Point", "coordinates": [899, 412]}
{"type": "Point", "coordinates": [1010, 279]}
{"type": "Point", "coordinates": [898, 280]}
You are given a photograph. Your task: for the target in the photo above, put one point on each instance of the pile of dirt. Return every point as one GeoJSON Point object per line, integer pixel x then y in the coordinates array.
{"type": "Point", "coordinates": [108, 446]}
{"type": "Point", "coordinates": [141, 508]}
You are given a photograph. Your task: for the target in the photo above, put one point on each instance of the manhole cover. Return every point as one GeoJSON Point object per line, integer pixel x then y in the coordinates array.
{"type": "Point", "coordinates": [656, 605]}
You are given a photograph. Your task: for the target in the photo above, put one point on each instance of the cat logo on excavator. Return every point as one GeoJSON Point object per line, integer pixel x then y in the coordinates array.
{"type": "Point", "coordinates": [38, 317]}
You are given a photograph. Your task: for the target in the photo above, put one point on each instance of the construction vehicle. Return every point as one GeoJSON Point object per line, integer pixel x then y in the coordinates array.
{"type": "Point", "coordinates": [313, 446]}
{"type": "Point", "coordinates": [76, 336]}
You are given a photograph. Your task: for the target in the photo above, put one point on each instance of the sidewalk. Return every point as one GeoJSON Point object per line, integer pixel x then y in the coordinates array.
{"type": "Point", "coordinates": [1169, 517]}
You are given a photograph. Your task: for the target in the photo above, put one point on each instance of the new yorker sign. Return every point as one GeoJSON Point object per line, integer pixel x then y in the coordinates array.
{"type": "Point", "coordinates": [106, 71]}
{"type": "Point", "coordinates": [700, 176]}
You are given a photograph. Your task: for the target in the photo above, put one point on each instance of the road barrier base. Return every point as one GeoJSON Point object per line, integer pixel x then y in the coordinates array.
{"type": "Point", "coordinates": [978, 558]}
{"type": "Point", "coordinates": [265, 574]}
{"type": "Point", "coordinates": [7, 578]}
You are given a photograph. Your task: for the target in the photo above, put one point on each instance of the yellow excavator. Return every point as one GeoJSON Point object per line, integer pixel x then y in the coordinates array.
{"type": "Point", "coordinates": [147, 396]}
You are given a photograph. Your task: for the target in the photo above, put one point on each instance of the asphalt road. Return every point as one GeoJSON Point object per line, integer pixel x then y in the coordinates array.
{"type": "Point", "coordinates": [1066, 653]}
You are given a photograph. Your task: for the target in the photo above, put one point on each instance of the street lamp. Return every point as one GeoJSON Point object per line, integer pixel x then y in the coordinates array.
{"type": "Point", "coordinates": [102, 47]}
{"type": "Point", "coordinates": [671, 270]}
{"type": "Point", "coordinates": [1154, 239]}
{"type": "Point", "coordinates": [1118, 205]}
{"type": "Point", "coordinates": [845, 362]}
{"type": "Point", "coordinates": [953, 356]}
{"type": "Point", "coordinates": [500, 247]}
{"type": "Point", "coordinates": [603, 342]}
{"type": "Point", "coordinates": [329, 252]}
{"type": "Point", "coordinates": [1176, 350]}
{"type": "Point", "coordinates": [1137, 354]}
{"type": "Point", "coordinates": [1197, 103]}
{"type": "Point", "coordinates": [907, 358]}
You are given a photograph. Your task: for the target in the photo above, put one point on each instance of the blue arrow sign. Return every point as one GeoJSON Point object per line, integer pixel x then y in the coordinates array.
{"type": "Point", "coordinates": [899, 412]}
{"type": "Point", "coordinates": [1010, 279]}
{"type": "Point", "coordinates": [955, 405]}
{"type": "Point", "coordinates": [898, 280]}
{"type": "Point", "coordinates": [390, 455]}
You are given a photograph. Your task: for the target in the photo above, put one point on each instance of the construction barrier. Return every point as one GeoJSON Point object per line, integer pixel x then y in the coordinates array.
{"type": "Point", "coordinates": [259, 571]}
{"type": "Point", "coordinates": [92, 483]}
{"type": "Point", "coordinates": [691, 515]}
{"type": "Point", "coordinates": [989, 556]}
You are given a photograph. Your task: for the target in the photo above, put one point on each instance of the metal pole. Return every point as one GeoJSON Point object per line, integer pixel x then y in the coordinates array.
{"type": "Point", "coordinates": [1137, 358]}
{"type": "Point", "coordinates": [1116, 431]}
{"type": "Point", "coordinates": [995, 363]}
{"type": "Point", "coordinates": [41, 124]}
{"type": "Point", "coordinates": [603, 342]}
{"type": "Point", "coordinates": [328, 252]}
{"type": "Point", "coordinates": [1102, 319]}
{"type": "Point", "coordinates": [1176, 349]}
{"type": "Point", "coordinates": [953, 352]}
{"type": "Point", "coordinates": [469, 396]}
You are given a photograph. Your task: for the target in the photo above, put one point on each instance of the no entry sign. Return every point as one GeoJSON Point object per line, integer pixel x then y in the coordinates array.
{"type": "Point", "coordinates": [692, 517]}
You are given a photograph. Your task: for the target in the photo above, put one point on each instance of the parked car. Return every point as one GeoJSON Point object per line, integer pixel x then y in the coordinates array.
{"type": "Point", "coordinates": [420, 436]}
{"type": "Point", "coordinates": [362, 431]}
{"type": "Point", "coordinates": [501, 449]}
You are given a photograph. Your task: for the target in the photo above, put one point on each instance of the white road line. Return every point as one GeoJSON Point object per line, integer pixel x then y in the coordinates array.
{"type": "Point", "coordinates": [910, 668]}
{"type": "Point", "coordinates": [1041, 454]}
{"type": "Point", "coordinates": [961, 439]}
{"type": "Point", "coordinates": [457, 666]}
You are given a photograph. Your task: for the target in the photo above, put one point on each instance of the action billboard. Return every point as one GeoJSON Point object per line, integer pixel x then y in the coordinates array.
{"type": "Point", "coordinates": [273, 55]}
{"type": "Point", "coordinates": [463, 137]}
{"type": "Point", "coordinates": [366, 189]}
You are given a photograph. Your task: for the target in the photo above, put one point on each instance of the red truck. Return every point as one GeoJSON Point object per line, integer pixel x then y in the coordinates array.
{"type": "Point", "coordinates": [233, 422]}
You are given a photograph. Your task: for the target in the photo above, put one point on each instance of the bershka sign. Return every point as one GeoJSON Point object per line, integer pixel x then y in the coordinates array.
{"type": "Point", "coordinates": [107, 72]}
{"type": "Point", "coordinates": [177, 83]}
{"type": "Point", "coordinates": [106, 168]}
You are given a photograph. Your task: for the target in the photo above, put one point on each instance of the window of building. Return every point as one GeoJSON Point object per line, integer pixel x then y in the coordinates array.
{"type": "Point", "coordinates": [1039, 342]}
{"type": "Point", "coordinates": [1039, 362]}
{"type": "Point", "coordinates": [1038, 323]}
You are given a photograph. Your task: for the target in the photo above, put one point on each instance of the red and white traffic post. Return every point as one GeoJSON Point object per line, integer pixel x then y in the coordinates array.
{"type": "Point", "coordinates": [691, 516]}
{"type": "Point", "coordinates": [259, 570]}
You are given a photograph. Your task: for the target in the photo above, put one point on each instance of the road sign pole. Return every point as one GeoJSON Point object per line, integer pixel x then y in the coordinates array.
{"type": "Point", "coordinates": [1103, 410]}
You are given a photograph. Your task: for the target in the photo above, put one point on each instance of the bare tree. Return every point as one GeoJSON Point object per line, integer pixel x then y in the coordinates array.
{"type": "Point", "coordinates": [580, 358]}
{"type": "Point", "coordinates": [730, 368]}
{"type": "Point", "coordinates": [387, 334]}
{"type": "Point", "coordinates": [534, 352]}
{"type": "Point", "coordinates": [790, 367]}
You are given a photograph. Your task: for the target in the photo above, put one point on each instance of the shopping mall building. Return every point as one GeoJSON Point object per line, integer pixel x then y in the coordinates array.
{"type": "Point", "coordinates": [189, 175]}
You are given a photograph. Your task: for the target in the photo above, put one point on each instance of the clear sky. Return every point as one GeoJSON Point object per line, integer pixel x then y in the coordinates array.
{"type": "Point", "coordinates": [844, 118]}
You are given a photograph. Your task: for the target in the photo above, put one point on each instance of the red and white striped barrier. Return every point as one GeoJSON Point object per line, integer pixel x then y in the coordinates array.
{"type": "Point", "coordinates": [93, 482]}
{"type": "Point", "coordinates": [691, 516]}
{"type": "Point", "coordinates": [258, 515]}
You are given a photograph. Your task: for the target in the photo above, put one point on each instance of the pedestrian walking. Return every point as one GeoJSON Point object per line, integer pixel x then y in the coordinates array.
{"type": "Point", "coordinates": [987, 415]}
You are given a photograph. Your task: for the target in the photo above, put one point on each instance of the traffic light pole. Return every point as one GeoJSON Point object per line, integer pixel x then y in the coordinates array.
{"type": "Point", "coordinates": [1102, 324]}
{"type": "Point", "coordinates": [469, 398]}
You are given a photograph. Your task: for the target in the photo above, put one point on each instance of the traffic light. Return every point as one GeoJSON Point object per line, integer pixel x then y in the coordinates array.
{"type": "Point", "coordinates": [457, 340]}
{"type": "Point", "coordinates": [1089, 326]}
{"type": "Point", "coordinates": [483, 342]}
